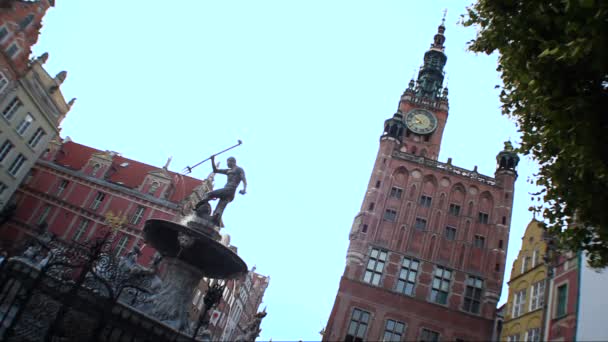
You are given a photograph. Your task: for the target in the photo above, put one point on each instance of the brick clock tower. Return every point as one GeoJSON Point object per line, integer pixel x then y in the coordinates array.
{"type": "Point", "coordinates": [427, 250]}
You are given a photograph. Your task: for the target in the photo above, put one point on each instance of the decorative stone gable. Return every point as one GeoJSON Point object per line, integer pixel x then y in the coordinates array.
{"type": "Point", "coordinates": [99, 164]}
{"type": "Point", "coordinates": [156, 183]}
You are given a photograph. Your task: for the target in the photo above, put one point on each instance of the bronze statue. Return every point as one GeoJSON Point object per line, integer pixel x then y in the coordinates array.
{"type": "Point", "coordinates": [235, 175]}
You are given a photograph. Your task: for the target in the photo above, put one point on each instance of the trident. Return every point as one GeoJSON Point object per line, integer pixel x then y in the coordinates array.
{"type": "Point", "coordinates": [188, 169]}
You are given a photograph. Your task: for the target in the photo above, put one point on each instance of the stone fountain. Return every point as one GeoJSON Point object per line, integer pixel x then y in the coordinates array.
{"type": "Point", "coordinates": [191, 250]}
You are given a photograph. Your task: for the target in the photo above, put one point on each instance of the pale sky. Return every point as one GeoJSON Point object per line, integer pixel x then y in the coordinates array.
{"type": "Point", "coordinates": [306, 85]}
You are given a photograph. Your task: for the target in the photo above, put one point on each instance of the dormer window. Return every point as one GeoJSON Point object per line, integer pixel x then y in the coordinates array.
{"type": "Point", "coordinates": [153, 188]}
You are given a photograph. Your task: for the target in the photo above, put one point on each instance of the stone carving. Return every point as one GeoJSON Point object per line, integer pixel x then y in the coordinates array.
{"type": "Point", "coordinates": [252, 331]}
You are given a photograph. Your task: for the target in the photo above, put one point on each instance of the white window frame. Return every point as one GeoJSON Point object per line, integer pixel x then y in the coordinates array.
{"type": "Point", "coordinates": [81, 230]}
{"type": "Point", "coordinates": [98, 200]}
{"type": "Point", "coordinates": [16, 53]}
{"type": "Point", "coordinates": [138, 215]}
{"type": "Point", "coordinates": [533, 335]}
{"type": "Point", "coordinates": [63, 184]}
{"type": "Point", "coordinates": [519, 303]}
{"type": "Point", "coordinates": [121, 245]}
{"type": "Point", "coordinates": [537, 295]}
{"type": "Point", "coordinates": [36, 137]}
{"type": "Point", "coordinates": [6, 149]}
{"type": "Point", "coordinates": [444, 276]}
{"type": "Point", "coordinates": [25, 124]}
{"type": "Point", "coordinates": [375, 266]}
{"type": "Point", "coordinates": [45, 213]}
{"type": "Point", "coordinates": [4, 81]}
{"type": "Point", "coordinates": [11, 108]}
{"type": "Point", "coordinates": [535, 256]}
{"type": "Point", "coordinates": [513, 338]}
{"type": "Point", "coordinates": [393, 333]}
{"type": "Point", "coordinates": [17, 164]}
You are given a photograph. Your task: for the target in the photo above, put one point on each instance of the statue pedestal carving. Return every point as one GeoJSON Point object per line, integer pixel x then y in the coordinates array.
{"type": "Point", "coordinates": [190, 252]}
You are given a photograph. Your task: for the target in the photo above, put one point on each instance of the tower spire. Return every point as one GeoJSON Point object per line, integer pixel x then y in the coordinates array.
{"type": "Point", "coordinates": [430, 76]}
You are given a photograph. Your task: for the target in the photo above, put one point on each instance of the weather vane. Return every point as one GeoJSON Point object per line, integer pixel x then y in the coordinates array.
{"type": "Point", "coordinates": [445, 12]}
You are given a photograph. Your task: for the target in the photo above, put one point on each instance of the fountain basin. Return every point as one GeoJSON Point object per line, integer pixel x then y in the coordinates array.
{"type": "Point", "coordinates": [200, 250]}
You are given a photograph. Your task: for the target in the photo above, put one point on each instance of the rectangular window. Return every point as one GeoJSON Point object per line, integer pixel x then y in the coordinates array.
{"type": "Point", "coordinates": [450, 233]}
{"type": "Point", "coordinates": [479, 241]}
{"type": "Point", "coordinates": [121, 245]}
{"type": "Point", "coordinates": [393, 331]}
{"type": "Point", "coordinates": [3, 188]}
{"type": "Point", "coordinates": [525, 263]}
{"type": "Point", "coordinates": [483, 218]}
{"type": "Point", "coordinates": [562, 298]}
{"type": "Point", "coordinates": [454, 210]}
{"type": "Point", "coordinates": [5, 149]}
{"type": "Point", "coordinates": [44, 214]}
{"type": "Point", "coordinates": [97, 201]}
{"type": "Point", "coordinates": [17, 164]}
{"type": "Point", "coordinates": [441, 285]}
{"type": "Point", "coordinates": [357, 326]}
{"type": "Point", "coordinates": [3, 80]}
{"type": "Point", "coordinates": [390, 215]}
{"type": "Point", "coordinates": [12, 50]}
{"type": "Point", "coordinates": [535, 257]}
{"type": "Point", "coordinates": [35, 139]}
{"type": "Point", "coordinates": [407, 276]}
{"type": "Point", "coordinates": [425, 201]}
{"type": "Point", "coordinates": [537, 296]}
{"type": "Point", "coordinates": [513, 338]}
{"type": "Point", "coordinates": [81, 231]}
{"type": "Point", "coordinates": [61, 187]}
{"type": "Point", "coordinates": [138, 215]}
{"type": "Point", "coordinates": [428, 336]}
{"type": "Point", "coordinates": [9, 111]}
{"type": "Point", "coordinates": [3, 33]}
{"type": "Point", "coordinates": [396, 192]}
{"type": "Point", "coordinates": [24, 124]}
{"type": "Point", "coordinates": [533, 335]}
{"type": "Point", "coordinates": [518, 304]}
{"type": "Point", "coordinates": [375, 266]}
{"type": "Point", "coordinates": [472, 295]}
{"type": "Point", "coordinates": [420, 223]}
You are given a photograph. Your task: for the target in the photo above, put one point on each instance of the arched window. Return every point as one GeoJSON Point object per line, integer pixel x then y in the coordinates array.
{"type": "Point", "coordinates": [96, 168]}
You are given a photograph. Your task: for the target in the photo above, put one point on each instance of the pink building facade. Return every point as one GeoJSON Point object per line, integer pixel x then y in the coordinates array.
{"type": "Point", "coordinates": [427, 251]}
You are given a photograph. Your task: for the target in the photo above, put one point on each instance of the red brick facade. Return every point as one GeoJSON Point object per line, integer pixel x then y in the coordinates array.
{"type": "Point", "coordinates": [561, 317]}
{"type": "Point", "coordinates": [72, 187]}
{"type": "Point", "coordinates": [441, 227]}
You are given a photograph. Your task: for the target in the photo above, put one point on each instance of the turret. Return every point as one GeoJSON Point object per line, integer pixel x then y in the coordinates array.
{"type": "Point", "coordinates": [507, 159]}
{"type": "Point", "coordinates": [394, 127]}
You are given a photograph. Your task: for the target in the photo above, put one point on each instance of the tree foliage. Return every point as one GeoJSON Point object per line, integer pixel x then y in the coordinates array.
{"type": "Point", "coordinates": [553, 59]}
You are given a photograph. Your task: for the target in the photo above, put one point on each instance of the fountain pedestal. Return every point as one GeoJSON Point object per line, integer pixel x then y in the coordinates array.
{"type": "Point", "coordinates": [189, 253]}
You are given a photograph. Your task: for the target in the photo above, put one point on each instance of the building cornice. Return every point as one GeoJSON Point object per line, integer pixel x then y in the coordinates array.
{"type": "Point", "coordinates": [445, 167]}
{"type": "Point", "coordinates": [104, 183]}
{"type": "Point", "coordinates": [530, 271]}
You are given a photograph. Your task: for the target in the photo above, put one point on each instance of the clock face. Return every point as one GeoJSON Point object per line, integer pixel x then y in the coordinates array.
{"type": "Point", "coordinates": [421, 121]}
